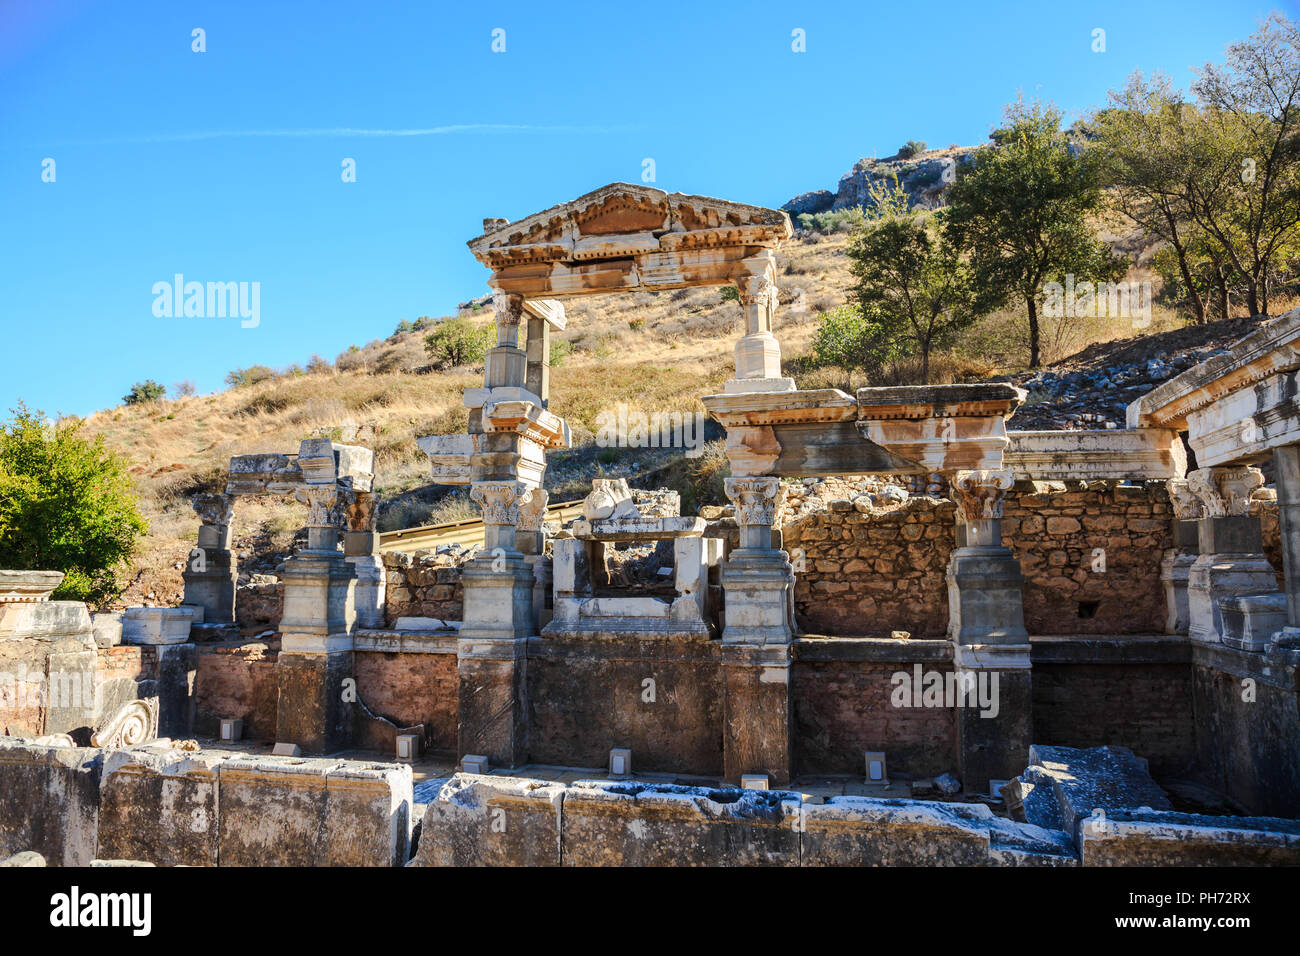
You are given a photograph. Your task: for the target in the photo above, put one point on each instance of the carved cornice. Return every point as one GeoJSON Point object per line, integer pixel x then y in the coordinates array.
{"type": "Point", "coordinates": [980, 494]}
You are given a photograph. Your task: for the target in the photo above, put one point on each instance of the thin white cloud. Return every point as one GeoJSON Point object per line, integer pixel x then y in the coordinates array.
{"type": "Point", "coordinates": [335, 132]}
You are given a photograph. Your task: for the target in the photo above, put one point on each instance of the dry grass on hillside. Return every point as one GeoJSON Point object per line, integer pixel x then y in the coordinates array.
{"type": "Point", "coordinates": [652, 351]}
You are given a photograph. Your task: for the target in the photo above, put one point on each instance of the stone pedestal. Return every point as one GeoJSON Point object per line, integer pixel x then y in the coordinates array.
{"type": "Point", "coordinates": [1286, 473]}
{"type": "Point", "coordinates": [758, 353]}
{"type": "Point", "coordinates": [1174, 571]}
{"type": "Point", "coordinates": [315, 704]}
{"type": "Point", "coordinates": [1231, 563]}
{"type": "Point", "coordinates": [361, 551]}
{"type": "Point", "coordinates": [493, 642]}
{"type": "Point", "coordinates": [211, 571]}
{"type": "Point", "coordinates": [757, 582]}
{"type": "Point", "coordinates": [990, 644]}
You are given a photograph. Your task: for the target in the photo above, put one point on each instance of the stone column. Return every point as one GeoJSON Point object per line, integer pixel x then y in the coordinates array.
{"type": "Point", "coordinates": [987, 628]}
{"type": "Point", "coordinates": [1286, 475]}
{"type": "Point", "coordinates": [757, 581]}
{"type": "Point", "coordinates": [758, 354]}
{"type": "Point", "coordinates": [361, 550]}
{"type": "Point", "coordinates": [531, 542]}
{"type": "Point", "coordinates": [538, 373]}
{"type": "Point", "coordinates": [493, 644]}
{"type": "Point", "coordinates": [507, 364]}
{"type": "Point", "coordinates": [211, 572]}
{"type": "Point", "coordinates": [1231, 570]}
{"type": "Point", "coordinates": [1178, 561]}
{"type": "Point", "coordinates": [315, 708]}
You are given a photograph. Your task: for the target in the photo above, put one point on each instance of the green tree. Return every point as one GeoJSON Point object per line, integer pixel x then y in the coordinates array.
{"type": "Point", "coordinates": [459, 342]}
{"type": "Point", "coordinates": [66, 504]}
{"type": "Point", "coordinates": [913, 281]}
{"type": "Point", "coordinates": [142, 392]}
{"type": "Point", "coordinates": [1019, 211]}
{"type": "Point", "coordinates": [1247, 198]}
{"type": "Point", "coordinates": [848, 338]}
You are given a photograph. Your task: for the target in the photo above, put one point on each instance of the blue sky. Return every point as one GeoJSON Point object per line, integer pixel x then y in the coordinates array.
{"type": "Point", "coordinates": [225, 165]}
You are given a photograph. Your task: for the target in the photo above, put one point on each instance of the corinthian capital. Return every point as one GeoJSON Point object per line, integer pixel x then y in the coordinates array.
{"type": "Point", "coordinates": [1225, 491]}
{"type": "Point", "coordinates": [214, 509]}
{"type": "Point", "coordinates": [359, 510]}
{"type": "Point", "coordinates": [498, 499]}
{"type": "Point", "coordinates": [1186, 505]}
{"type": "Point", "coordinates": [980, 494]}
{"type": "Point", "coordinates": [509, 312]}
{"type": "Point", "coordinates": [320, 501]}
{"type": "Point", "coordinates": [755, 499]}
{"type": "Point", "coordinates": [532, 510]}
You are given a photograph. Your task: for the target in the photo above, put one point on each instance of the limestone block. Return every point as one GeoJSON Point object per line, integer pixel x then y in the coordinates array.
{"type": "Point", "coordinates": [862, 831]}
{"type": "Point", "coordinates": [34, 780]}
{"type": "Point", "coordinates": [313, 812]}
{"type": "Point", "coordinates": [1251, 620]}
{"type": "Point", "coordinates": [1106, 778]}
{"type": "Point", "coordinates": [1152, 838]}
{"type": "Point", "coordinates": [107, 628]}
{"type": "Point", "coordinates": [157, 625]}
{"type": "Point", "coordinates": [28, 587]}
{"type": "Point", "coordinates": [492, 821]}
{"type": "Point", "coordinates": [633, 824]}
{"type": "Point", "coordinates": [159, 807]}
{"type": "Point", "coordinates": [52, 621]}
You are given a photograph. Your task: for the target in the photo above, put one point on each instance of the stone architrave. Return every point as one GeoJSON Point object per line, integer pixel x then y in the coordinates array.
{"type": "Point", "coordinates": [1231, 565]}
{"type": "Point", "coordinates": [987, 628]}
{"type": "Point", "coordinates": [211, 573]}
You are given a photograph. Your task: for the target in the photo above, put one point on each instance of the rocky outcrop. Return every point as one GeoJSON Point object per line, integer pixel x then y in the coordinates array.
{"type": "Point", "coordinates": [922, 177]}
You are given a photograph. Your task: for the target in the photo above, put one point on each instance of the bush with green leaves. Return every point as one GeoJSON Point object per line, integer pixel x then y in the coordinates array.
{"type": "Point", "coordinates": [729, 293]}
{"type": "Point", "coordinates": [913, 147]}
{"type": "Point", "coordinates": [143, 392]}
{"type": "Point", "coordinates": [851, 339]}
{"type": "Point", "coordinates": [66, 504]}
{"type": "Point", "coordinates": [459, 342]}
{"type": "Point", "coordinates": [561, 349]}
{"type": "Point", "coordinates": [249, 376]}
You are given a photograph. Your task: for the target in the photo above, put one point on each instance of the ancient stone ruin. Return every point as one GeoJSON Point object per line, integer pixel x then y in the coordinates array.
{"type": "Point", "coordinates": [913, 637]}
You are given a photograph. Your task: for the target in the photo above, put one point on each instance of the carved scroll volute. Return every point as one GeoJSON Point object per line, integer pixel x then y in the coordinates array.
{"type": "Point", "coordinates": [320, 501]}
{"type": "Point", "coordinates": [136, 722]}
{"type": "Point", "coordinates": [1183, 500]}
{"type": "Point", "coordinates": [980, 494]}
{"type": "Point", "coordinates": [532, 510]}
{"type": "Point", "coordinates": [1225, 491]}
{"type": "Point", "coordinates": [755, 499]}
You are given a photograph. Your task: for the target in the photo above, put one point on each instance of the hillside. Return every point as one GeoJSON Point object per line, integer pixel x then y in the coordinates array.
{"type": "Point", "coordinates": [652, 351]}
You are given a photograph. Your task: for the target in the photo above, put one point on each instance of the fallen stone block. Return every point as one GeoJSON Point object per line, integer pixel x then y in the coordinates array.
{"type": "Point", "coordinates": [313, 812]}
{"type": "Point", "coordinates": [159, 807]}
{"type": "Point", "coordinates": [1153, 838]}
{"type": "Point", "coordinates": [26, 858]}
{"type": "Point", "coordinates": [480, 820]}
{"type": "Point", "coordinates": [49, 801]}
{"type": "Point", "coordinates": [863, 831]}
{"type": "Point", "coordinates": [634, 824]}
{"type": "Point", "coordinates": [1106, 778]}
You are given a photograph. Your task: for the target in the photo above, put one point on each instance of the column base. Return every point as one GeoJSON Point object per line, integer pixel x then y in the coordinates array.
{"type": "Point", "coordinates": [995, 730]}
{"type": "Point", "coordinates": [984, 597]}
{"type": "Point", "coordinates": [315, 705]}
{"type": "Point", "coordinates": [757, 585]}
{"type": "Point", "coordinates": [498, 597]}
{"type": "Point", "coordinates": [1174, 570]}
{"type": "Point", "coordinates": [493, 699]}
{"type": "Point", "coordinates": [213, 587]}
{"type": "Point", "coordinates": [756, 712]}
{"type": "Point", "coordinates": [1217, 577]}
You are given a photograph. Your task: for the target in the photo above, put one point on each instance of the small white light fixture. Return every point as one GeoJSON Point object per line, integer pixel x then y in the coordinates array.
{"type": "Point", "coordinates": [232, 729]}
{"type": "Point", "coordinates": [620, 762]}
{"type": "Point", "coordinates": [474, 763]}
{"type": "Point", "coordinates": [408, 746]}
{"type": "Point", "coordinates": [876, 774]}
{"type": "Point", "coordinates": [755, 781]}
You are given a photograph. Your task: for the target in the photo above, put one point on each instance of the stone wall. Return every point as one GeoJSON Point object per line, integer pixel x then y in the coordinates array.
{"type": "Point", "coordinates": [423, 584]}
{"type": "Point", "coordinates": [259, 604]}
{"type": "Point", "coordinates": [410, 689]}
{"type": "Point", "coordinates": [843, 707]}
{"type": "Point", "coordinates": [236, 681]}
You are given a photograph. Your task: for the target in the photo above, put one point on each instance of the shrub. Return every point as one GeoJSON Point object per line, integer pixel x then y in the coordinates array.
{"type": "Point", "coordinates": [142, 392]}
{"type": "Point", "coordinates": [561, 349]}
{"type": "Point", "coordinates": [183, 389]}
{"type": "Point", "coordinates": [913, 147]}
{"type": "Point", "coordinates": [729, 293]}
{"type": "Point", "coordinates": [249, 376]}
{"type": "Point", "coordinates": [851, 339]}
{"type": "Point", "coordinates": [65, 505]}
{"type": "Point", "coordinates": [319, 365]}
{"type": "Point", "coordinates": [459, 342]}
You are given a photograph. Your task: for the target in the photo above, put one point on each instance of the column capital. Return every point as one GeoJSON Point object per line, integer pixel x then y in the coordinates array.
{"type": "Point", "coordinates": [1183, 500]}
{"type": "Point", "coordinates": [532, 510]}
{"type": "Point", "coordinates": [359, 510]}
{"type": "Point", "coordinates": [320, 501]}
{"type": "Point", "coordinates": [980, 494]}
{"type": "Point", "coordinates": [509, 309]}
{"type": "Point", "coordinates": [499, 500]}
{"type": "Point", "coordinates": [214, 509]}
{"type": "Point", "coordinates": [1225, 491]}
{"type": "Point", "coordinates": [755, 499]}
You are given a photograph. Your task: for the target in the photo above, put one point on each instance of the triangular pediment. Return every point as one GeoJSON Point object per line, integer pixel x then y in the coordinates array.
{"type": "Point", "coordinates": [627, 219]}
